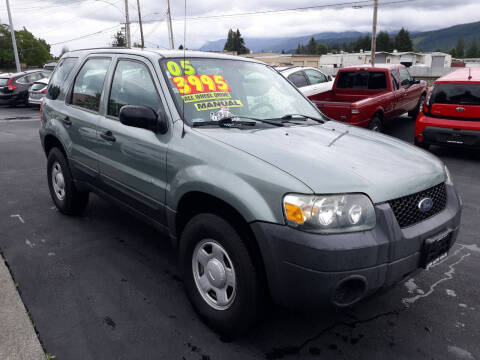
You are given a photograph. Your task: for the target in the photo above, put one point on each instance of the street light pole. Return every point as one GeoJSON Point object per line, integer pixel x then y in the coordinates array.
{"type": "Point", "coordinates": [140, 22]}
{"type": "Point", "coordinates": [374, 32]}
{"type": "Point", "coordinates": [14, 41]}
{"type": "Point", "coordinates": [170, 31]}
{"type": "Point", "coordinates": [127, 25]}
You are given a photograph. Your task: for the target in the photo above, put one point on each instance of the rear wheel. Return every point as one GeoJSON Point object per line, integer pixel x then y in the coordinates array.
{"type": "Point", "coordinates": [219, 275]}
{"type": "Point", "coordinates": [64, 194]}
{"type": "Point", "coordinates": [376, 124]}
{"type": "Point", "coordinates": [418, 109]}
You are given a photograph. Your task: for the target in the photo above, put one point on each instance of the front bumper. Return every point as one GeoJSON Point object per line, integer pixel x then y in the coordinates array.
{"type": "Point", "coordinates": [306, 270]}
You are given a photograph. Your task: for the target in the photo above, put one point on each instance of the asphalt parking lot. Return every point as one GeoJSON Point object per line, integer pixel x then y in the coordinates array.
{"type": "Point", "coordinates": [105, 285]}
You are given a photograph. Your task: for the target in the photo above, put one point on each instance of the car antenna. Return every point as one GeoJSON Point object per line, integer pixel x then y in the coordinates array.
{"type": "Point", "coordinates": [469, 72]}
{"type": "Point", "coordinates": [184, 57]}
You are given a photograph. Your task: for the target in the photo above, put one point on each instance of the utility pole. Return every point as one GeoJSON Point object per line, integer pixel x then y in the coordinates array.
{"type": "Point", "coordinates": [170, 31]}
{"type": "Point", "coordinates": [374, 32]}
{"type": "Point", "coordinates": [127, 25]}
{"type": "Point", "coordinates": [140, 22]}
{"type": "Point", "coordinates": [14, 41]}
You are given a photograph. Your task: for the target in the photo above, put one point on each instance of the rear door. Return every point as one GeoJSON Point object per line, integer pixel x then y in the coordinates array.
{"type": "Point", "coordinates": [300, 80]}
{"type": "Point", "coordinates": [133, 160]}
{"type": "Point", "coordinates": [456, 101]}
{"type": "Point", "coordinates": [83, 113]}
{"type": "Point", "coordinates": [318, 83]}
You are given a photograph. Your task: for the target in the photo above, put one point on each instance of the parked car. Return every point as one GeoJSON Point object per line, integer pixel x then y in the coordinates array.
{"type": "Point", "coordinates": [14, 86]}
{"type": "Point", "coordinates": [309, 80]}
{"type": "Point", "coordinates": [371, 96]}
{"type": "Point", "coordinates": [257, 191]}
{"type": "Point", "coordinates": [451, 112]}
{"type": "Point", "coordinates": [50, 66]}
{"type": "Point", "coordinates": [37, 92]}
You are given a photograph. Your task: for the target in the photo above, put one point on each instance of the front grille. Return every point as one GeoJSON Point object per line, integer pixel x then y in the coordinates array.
{"type": "Point", "coordinates": [406, 208]}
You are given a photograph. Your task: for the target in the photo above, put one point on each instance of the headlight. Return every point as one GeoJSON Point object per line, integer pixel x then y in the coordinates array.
{"type": "Point", "coordinates": [329, 213]}
{"type": "Point", "coordinates": [448, 178]}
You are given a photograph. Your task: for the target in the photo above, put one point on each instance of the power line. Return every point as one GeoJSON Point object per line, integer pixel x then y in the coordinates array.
{"type": "Point", "coordinates": [87, 35]}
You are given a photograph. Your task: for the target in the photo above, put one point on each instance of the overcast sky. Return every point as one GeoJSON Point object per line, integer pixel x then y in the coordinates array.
{"type": "Point", "coordinates": [60, 20]}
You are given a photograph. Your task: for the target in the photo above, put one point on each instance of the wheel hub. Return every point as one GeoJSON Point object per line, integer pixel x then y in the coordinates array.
{"type": "Point", "coordinates": [216, 273]}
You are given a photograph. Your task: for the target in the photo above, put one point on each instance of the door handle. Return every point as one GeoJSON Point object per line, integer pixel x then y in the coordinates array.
{"type": "Point", "coordinates": [66, 120]}
{"type": "Point", "coordinates": [108, 136]}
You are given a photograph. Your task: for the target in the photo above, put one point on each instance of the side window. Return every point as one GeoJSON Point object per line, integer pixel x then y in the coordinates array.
{"type": "Point", "coordinates": [405, 77]}
{"type": "Point", "coordinates": [88, 85]}
{"type": "Point", "coordinates": [22, 80]}
{"type": "Point", "coordinates": [315, 77]}
{"type": "Point", "coordinates": [395, 82]}
{"type": "Point", "coordinates": [34, 77]}
{"type": "Point", "coordinates": [59, 76]}
{"type": "Point", "coordinates": [298, 79]}
{"type": "Point", "coordinates": [132, 85]}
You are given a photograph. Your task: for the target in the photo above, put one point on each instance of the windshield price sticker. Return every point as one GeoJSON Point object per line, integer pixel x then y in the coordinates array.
{"type": "Point", "coordinates": [195, 84]}
{"type": "Point", "coordinates": [210, 105]}
{"type": "Point", "coordinates": [177, 69]}
{"type": "Point", "coordinates": [206, 96]}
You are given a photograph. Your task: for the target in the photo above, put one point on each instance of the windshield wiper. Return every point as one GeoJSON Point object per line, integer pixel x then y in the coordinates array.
{"type": "Point", "coordinates": [230, 122]}
{"type": "Point", "coordinates": [305, 117]}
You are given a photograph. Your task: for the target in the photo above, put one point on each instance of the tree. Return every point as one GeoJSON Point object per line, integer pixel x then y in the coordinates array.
{"type": "Point", "coordinates": [473, 52]}
{"type": "Point", "coordinates": [453, 52]}
{"type": "Point", "coordinates": [119, 39]}
{"type": "Point", "coordinates": [460, 48]}
{"type": "Point", "coordinates": [312, 46]}
{"type": "Point", "coordinates": [180, 47]}
{"type": "Point", "coordinates": [384, 43]}
{"type": "Point", "coordinates": [363, 43]}
{"type": "Point", "coordinates": [31, 50]}
{"type": "Point", "coordinates": [300, 49]}
{"type": "Point", "coordinates": [403, 42]}
{"type": "Point", "coordinates": [235, 42]}
{"type": "Point", "coordinates": [321, 49]}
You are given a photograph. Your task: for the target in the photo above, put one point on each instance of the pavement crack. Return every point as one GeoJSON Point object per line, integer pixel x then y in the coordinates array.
{"type": "Point", "coordinates": [281, 352]}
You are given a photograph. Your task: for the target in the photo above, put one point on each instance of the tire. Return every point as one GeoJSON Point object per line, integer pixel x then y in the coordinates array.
{"type": "Point", "coordinates": [422, 145]}
{"type": "Point", "coordinates": [418, 108]}
{"type": "Point", "coordinates": [376, 124]}
{"type": "Point", "coordinates": [243, 300]}
{"type": "Point", "coordinates": [64, 194]}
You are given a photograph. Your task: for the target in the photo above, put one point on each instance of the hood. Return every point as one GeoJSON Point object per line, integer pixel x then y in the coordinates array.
{"type": "Point", "coordinates": [337, 158]}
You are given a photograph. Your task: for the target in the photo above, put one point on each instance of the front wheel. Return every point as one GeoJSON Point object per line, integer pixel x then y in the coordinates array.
{"type": "Point", "coordinates": [219, 275]}
{"type": "Point", "coordinates": [418, 109]}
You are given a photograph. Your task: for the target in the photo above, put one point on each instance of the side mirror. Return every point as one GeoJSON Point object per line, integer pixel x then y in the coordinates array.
{"type": "Point", "coordinates": [415, 81]}
{"type": "Point", "coordinates": [329, 78]}
{"type": "Point", "coordinates": [144, 118]}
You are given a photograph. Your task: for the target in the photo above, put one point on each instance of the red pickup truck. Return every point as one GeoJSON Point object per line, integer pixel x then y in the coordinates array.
{"type": "Point", "coordinates": [369, 96]}
{"type": "Point", "coordinates": [452, 111]}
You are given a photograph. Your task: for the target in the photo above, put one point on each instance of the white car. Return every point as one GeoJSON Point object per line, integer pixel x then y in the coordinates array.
{"type": "Point", "coordinates": [37, 91]}
{"type": "Point", "coordinates": [308, 80]}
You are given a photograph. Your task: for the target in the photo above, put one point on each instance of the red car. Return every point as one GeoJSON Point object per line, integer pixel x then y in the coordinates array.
{"type": "Point", "coordinates": [371, 96]}
{"type": "Point", "coordinates": [451, 114]}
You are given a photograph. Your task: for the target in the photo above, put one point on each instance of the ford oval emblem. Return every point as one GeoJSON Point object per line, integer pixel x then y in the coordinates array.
{"type": "Point", "coordinates": [425, 205]}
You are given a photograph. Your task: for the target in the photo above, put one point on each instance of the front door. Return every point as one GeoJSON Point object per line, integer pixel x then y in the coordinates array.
{"type": "Point", "coordinates": [132, 160]}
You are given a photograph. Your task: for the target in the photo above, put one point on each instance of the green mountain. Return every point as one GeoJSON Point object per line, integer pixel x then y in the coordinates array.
{"type": "Point", "coordinates": [445, 39]}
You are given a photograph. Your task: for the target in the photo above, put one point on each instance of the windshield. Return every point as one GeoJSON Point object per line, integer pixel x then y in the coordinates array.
{"type": "Point", "coordinates": [202, 87]}
{"type": "Point", "coordinates": [457, 94]}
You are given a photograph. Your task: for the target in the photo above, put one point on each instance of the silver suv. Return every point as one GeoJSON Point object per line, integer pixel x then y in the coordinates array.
{"type": "Point", "coordinates": [259, 192]}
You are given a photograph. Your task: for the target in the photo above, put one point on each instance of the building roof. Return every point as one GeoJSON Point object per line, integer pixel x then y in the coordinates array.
{"type": "Point", "coordinates": [462, 75]}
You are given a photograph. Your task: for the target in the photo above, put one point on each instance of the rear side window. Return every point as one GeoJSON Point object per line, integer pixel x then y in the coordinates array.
{"type": "Point", "coordinates": [88, 86]}
{"type": "Point", "coordinates": [132, 85]}
{"type": "Point", "coordinates": [315, 77]}
{"type": "Point", "coordinates": [38, 86]}
{"type": "Point", "coordinates": [3, 81]}
{"type": "Point", "coordinates": [362, 80]}
{"type": "Point", "coordinates": [298, 79]}
{"type": "Point", "coordinates": [59, 76]}
{"type": "Point", "coordinates": [458, 94]}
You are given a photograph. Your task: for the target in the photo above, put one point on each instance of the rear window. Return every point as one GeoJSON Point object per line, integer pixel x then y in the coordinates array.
{"type": "Point", "coordinates": [362, 80]}
{"type": "Point", "coordinates": [38, 86]}
{"type": "Point", "coordinates": [458, 94]}
{"type": "Point", "coordinates": [3, 81]}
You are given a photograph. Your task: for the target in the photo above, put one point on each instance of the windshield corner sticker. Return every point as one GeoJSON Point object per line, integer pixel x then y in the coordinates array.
{"type": "Point", "coordinates": [217, 104]}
